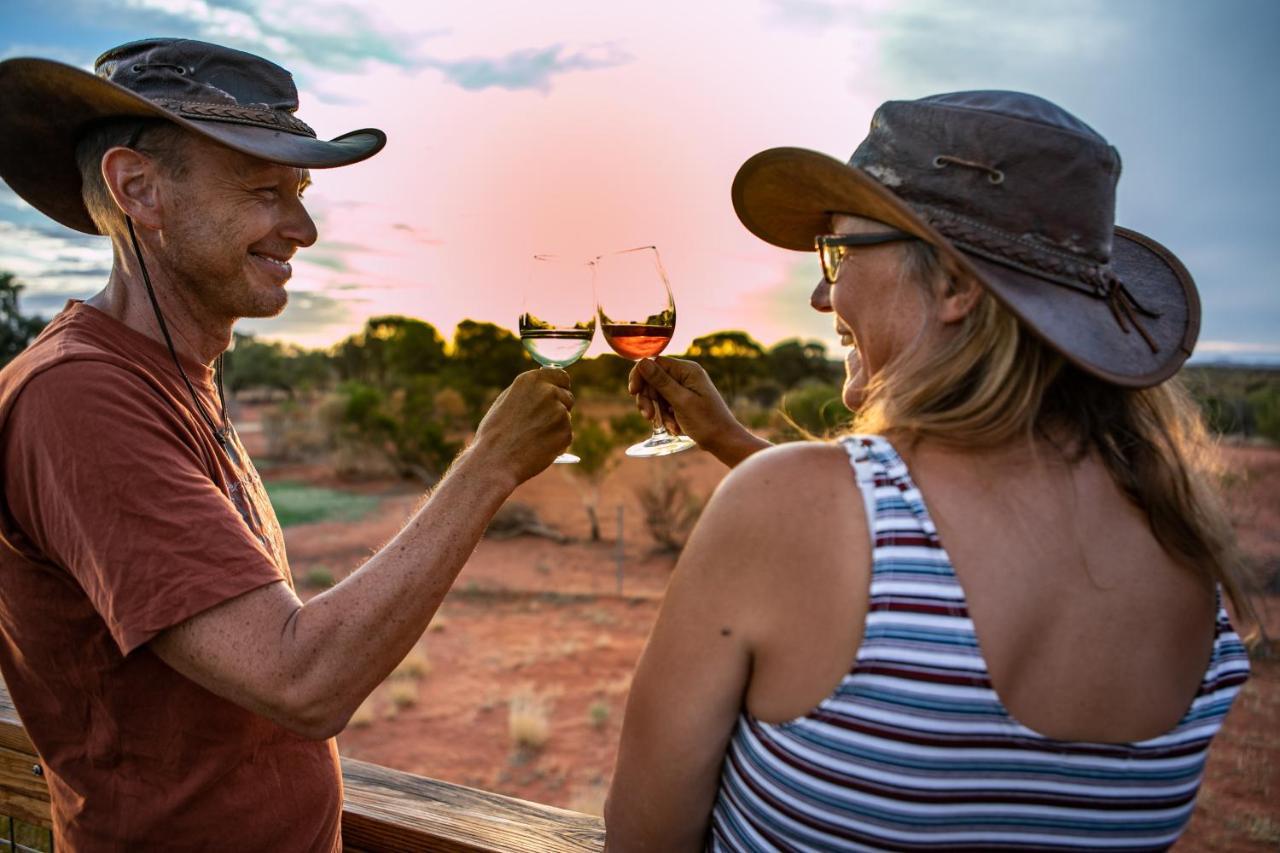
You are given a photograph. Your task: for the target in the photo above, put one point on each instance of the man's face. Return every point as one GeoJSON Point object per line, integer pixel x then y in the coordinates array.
{"type": "Point", "coordinates": [231, 223]}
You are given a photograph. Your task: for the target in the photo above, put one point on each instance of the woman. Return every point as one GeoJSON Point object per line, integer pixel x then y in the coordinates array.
{"type": "Point", "coordinates": [991, 618]}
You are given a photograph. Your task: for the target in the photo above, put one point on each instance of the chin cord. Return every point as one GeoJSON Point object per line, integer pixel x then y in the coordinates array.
{"type": "Point", "coordinates": [221, 434]}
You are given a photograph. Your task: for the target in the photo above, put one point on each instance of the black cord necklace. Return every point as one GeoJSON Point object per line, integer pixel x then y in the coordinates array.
{"type": "Point", "coordinates": [221, 434]}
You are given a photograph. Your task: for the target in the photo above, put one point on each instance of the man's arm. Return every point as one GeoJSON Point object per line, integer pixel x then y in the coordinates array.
{"type": "Point", "coordinates": [308, 666]}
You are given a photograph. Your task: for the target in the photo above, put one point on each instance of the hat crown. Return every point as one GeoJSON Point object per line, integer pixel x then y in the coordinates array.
{"type": "Point", "coordinates": [1009, 163]}
{"type": "Point", "coordinates": [199, 72]}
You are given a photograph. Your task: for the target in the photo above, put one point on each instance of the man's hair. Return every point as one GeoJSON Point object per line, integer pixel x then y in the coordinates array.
{"type": "Point", "coordinates": [160, 139]}
{"type": "Point", "coordinates": [994, 382]}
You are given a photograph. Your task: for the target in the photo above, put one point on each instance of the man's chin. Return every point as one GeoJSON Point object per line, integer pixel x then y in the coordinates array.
{"type": "Point", "coordinates": [266, 306]}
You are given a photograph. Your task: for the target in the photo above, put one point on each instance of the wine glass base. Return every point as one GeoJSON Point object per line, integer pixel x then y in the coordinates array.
{"type": "Point", "coordinates": [661, 445]}
{"type": "Point", "coordinates": [566, 459]}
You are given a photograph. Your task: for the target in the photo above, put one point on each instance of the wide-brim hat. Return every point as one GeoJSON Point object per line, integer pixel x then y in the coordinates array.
{"type": "Point", "coordinates": [1015, 192]}
{"type": "Point", "coordinates": [228, 96]}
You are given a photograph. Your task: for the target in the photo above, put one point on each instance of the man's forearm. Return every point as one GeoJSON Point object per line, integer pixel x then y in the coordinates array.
{"type": "Point", "coordinates": [348, 639]}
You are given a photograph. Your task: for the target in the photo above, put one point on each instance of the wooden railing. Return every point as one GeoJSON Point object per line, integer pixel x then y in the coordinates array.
{"type": "Point", "coordinates": [384, 810]}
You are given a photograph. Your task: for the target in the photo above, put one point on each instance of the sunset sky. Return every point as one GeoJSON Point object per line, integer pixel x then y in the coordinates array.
{"type": "Point", "coordinates": [586, 127]}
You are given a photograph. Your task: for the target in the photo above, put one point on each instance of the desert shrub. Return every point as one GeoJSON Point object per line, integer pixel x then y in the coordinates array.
{"type": "Point", "coordinates": [403, 694]}
{"type": "Point", "coordinates": [318, 578]}
{"type": "Point", "coordinates": [1265, 403]}
{"type": "Point", "coordinates": [813, 409]}
{"type": "Point", "coordinates": [295, 429]}
{"type": "Point", "coordinates": [414, 666]}
{"type": "Point", "coordinates": [598, 714]}
{"type": "Point", "coordinates": [528, 721]}
{"type": "Point", "coordinates": [594, 444]}
{"type": "Point", "coordinates": [630, 427]}
{"type": "Point", "coordinates": [670, 508]}
{"type": "Point", "coordinates": [400, 429]}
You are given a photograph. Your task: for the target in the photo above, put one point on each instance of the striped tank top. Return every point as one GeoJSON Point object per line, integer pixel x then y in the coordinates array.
{"type": "Point", "coordinates": [914, 750]}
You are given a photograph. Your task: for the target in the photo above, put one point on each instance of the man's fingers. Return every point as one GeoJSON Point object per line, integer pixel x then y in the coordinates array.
{"type": "Point", "coordinates": [565, 397]}
{"type": "Point", "coordinates": [553, 375]}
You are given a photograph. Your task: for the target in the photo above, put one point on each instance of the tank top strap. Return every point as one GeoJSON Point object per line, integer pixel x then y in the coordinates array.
{"type": "Point", "coordinates": [896, 513]}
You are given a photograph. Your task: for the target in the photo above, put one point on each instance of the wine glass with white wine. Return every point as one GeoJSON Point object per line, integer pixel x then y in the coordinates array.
{"type": "Point", "coordinates": [558, 318]}
{"type": "Point", "coordinates": [638, 317]}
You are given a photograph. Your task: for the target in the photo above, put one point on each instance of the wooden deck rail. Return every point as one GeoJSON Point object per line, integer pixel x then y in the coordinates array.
{"type": "Point", "coordinates": [384, 810]}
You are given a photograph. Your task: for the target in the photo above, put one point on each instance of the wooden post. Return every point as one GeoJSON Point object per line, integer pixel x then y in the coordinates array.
{"type": "Point", "coordinates": [619, 549]}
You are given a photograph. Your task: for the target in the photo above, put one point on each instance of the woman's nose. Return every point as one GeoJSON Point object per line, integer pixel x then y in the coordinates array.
{"type": "Point", "coordinates": [821, 297]}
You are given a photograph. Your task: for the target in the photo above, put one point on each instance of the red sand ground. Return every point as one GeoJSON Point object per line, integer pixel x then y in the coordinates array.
{"type": "Point", "coordinates": [534, 619]}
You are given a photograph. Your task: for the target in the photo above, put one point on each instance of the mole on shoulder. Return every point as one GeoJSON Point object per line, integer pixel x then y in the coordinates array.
{"type": "Point", "coordinates": [724, 632]}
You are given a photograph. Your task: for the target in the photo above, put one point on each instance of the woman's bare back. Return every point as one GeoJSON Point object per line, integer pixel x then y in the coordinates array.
{"type": "Point", "coordinates": [1089, 629]}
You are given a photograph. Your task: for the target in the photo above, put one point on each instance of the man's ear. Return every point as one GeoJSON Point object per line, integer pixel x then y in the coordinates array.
{"type": "Point", "coordinates": [132, 178]}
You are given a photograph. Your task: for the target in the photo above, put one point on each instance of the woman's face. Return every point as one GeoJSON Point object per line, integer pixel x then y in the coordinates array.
{"type": "Point", "coordinates": [879, 311]}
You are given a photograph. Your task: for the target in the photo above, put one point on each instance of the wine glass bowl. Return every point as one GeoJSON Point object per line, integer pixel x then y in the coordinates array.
{"type": "Point", "coordinates": [637, 318]}
{"type": "Point", "coordinates": [557, 317]}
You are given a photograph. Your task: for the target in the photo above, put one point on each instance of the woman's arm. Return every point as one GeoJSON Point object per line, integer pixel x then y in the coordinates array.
{"type": "Point", "coordinates": [689, 404]}
{"type": "Point", "coordinates": [717, 621]}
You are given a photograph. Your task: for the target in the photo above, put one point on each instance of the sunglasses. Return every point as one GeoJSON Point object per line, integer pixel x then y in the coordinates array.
{"type": "Point", "coordinates": [832, 248]}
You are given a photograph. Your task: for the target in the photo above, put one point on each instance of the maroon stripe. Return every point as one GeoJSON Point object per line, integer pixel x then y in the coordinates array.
{"type": "Point", "coordinates": [925, 674]}
{"type": "Point", "coordinates": [894, 604]}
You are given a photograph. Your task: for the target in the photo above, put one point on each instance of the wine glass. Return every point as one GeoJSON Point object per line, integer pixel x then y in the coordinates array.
{"type": "Point", "coordinates": [638, 318]}
{"type": "Point", "coordinates": [559, 331]}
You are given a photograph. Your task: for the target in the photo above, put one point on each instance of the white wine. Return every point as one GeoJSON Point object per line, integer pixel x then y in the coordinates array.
{"type": "Point", "coordinates": [556, 347]}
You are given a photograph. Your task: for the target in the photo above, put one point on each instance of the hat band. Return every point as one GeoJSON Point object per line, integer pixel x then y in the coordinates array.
{"type": "Point", "coordinates": [1096, 280]}
{"type": "Point", "coordinates": [256, 116]}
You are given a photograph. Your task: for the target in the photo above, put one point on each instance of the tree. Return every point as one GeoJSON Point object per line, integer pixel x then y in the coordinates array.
{"type": "Point", "coordinates": [390, 348]}
{"type": "Point", "coordinates": [490, 354]}
{"type": "Point", "coordinates": [794, 361]}
{"type": "Point", "coordinates": [732, 359]}
{"type": "Point", "coordinates": [16, 331]}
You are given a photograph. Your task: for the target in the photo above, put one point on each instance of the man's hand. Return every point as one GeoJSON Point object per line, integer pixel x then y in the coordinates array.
{"type": "Point", "coordinates": [683, 396]}
{"type": "Point", "coordinates": [528, 425]}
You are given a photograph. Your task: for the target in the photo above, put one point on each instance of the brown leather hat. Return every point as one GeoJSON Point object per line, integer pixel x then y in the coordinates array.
{"type": "Point", "coordinates": [229, 96]}
{"type": "Point", "coordinates": [1018, 193]}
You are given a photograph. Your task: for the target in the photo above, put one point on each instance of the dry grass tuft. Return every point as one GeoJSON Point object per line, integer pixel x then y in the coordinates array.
{"type": "Point", "coordinates": [402, 694]}
{"type": "Point", "coordinates": [598, 713]}
{"type": "Point", "coordinates": [529, 720]}
{"type": "Point", "coordinates": [414, 666]}
{"type": "Point", "coordinates": [589, 800]}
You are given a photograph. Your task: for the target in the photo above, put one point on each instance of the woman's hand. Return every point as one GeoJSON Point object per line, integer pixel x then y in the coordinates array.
{"type": "Point", "coordinates": [682, 395]}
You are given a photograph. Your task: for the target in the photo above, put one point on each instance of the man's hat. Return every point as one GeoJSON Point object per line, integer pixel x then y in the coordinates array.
{"type": "Point", "coordinates": [1016, 192]}
{"type": "Point", "coordinates": [234, 98]}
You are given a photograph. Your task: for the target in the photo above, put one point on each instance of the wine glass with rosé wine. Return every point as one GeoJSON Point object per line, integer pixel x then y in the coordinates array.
{"type": "Point", "coordinates": [561, 328]}
{"type": "Point", "coordinates": [638, 318]}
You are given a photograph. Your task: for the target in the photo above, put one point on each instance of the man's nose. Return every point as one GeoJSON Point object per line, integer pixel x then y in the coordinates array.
{"type": "Point", "coordinates": [298, 226]}
{"type": "Point", "coordinates": [821, 297]}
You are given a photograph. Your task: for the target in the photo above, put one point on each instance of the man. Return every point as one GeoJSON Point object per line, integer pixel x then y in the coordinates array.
{"type": "Point", "coordinates": [178, 691]}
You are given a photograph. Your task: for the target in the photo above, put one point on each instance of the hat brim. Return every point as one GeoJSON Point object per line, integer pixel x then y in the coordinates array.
{"type": "Point", "coordinates": [46, 106]}
{"type": "Point", "coordinates": [786, 196]}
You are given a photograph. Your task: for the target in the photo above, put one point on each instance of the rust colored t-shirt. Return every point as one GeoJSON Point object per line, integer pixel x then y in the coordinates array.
{"type": "Point", "coordinates": [121, 517]}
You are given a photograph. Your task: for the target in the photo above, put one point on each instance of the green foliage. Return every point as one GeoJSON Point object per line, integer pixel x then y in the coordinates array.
{"type": "Point", "coordinates": [299, 503]}
{"type": "Point", "coordinates": [402, 426]}
{"type": "Point", "coordinates": [390, 348]}
{"type": "Point", "coordinates": [318, 578]}
{"type": "Point", "coordinates": [794, 361]}
{"type": "Point", "coordinates": [16, 331]}
{"type": "Point", "coordinates": [630, 427]}
{"type": "Point", "coordinates": [606, 373]}
{"type": "Point", "coordinates": [732, 360]}
{"type": "Point", "coordinates": [274, 365]}
{"type": "Point", "coordinates": [1237, 400]}
{"type": "Point", "coordinates": [491, 355]}
{"type": "Point", "coordinates": [815, 409]}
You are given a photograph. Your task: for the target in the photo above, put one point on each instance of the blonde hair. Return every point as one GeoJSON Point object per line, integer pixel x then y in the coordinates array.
{"type": "Point", "coordinates": [995, 382]}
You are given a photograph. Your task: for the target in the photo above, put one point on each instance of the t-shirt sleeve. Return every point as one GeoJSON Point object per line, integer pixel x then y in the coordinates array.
{"type": "Point", "coordinates": [105, 479]}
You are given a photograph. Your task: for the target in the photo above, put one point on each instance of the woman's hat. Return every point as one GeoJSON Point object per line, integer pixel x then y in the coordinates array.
{"type": "Point", "coordinates": [234, 98]}
{"type": "Point", "coordinates": [1018, 193]}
